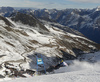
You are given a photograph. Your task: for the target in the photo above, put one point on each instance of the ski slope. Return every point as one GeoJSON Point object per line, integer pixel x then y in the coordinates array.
{"type": "Point", "coordinates": [79, 71]}
{"type": "Point", "coordinates": [19, 43]}
{"type": "Point", "coordinates": [87, 75]}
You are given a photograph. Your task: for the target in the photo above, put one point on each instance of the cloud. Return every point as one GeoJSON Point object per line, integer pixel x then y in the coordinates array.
{"type": "Point", "coordinates": [54, 5]}
{"type": "Point", "coordinates": [28, 3]}
{"type": "Point", "coordinates": [49, 4]}
{"type": "Point", "coordinates": [19, 3]}
{"type": "Point", "coordinates": [86, 1]}
{"type": "Point", "coordinates": [34, 4]}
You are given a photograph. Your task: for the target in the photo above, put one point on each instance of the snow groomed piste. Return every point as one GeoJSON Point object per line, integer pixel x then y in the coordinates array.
{"type": "Point", "coordinates": [78, 71]}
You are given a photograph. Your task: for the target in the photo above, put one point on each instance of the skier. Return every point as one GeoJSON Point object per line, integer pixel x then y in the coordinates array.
{"type": "Point", "coordinates": [62, 63]}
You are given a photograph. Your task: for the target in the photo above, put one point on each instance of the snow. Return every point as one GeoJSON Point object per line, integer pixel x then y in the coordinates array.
{"type": "Point", "coordinates": [18, 24]}
{"type": "Point", "coordinates": [46, 44]}
{"type": "Point", "coordinates": [72, 35]}
{"type": "Point", "coordinates": [1, 14]}
{"type": "Point", "coordinates": [11, 21]}
{"type": "Point", "coordinates": [97, 9]}
{"type": "Point", "coordinates": [78, 71]}
{"type": "Point", "coordinates": [54, 31]}
{"type": "Point", "coordinates": [47, 51]}
{"type": "Point", "coordinates": [64, 17]}
{"type": "Point", "coordinates": [2, 23]}
{"type": "Point", "coordinates": [36, 35]}
{"type": "Point", "coordinates": [47, 11]}
{"type": "Point", "coordinates": [74, 76]}
{"type": "Point", "coordinates": [91, 57]}
{"type": "Point", "coordinates": [17, 53]}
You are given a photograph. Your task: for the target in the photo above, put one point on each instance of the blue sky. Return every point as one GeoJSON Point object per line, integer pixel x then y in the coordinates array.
{"type": "Point", "coordinates": [49, 4]}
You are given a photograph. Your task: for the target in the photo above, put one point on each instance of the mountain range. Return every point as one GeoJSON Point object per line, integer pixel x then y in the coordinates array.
{"type": "Point", "coordinates": [22, 35]}
{"type": "Point", "coordinates": [86, 21]}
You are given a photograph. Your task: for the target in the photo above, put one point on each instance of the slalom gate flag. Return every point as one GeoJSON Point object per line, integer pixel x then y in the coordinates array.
{"type": "Point", "coordinates": [39, 61]}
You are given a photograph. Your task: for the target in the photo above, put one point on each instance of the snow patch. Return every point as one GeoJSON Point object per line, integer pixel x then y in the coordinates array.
{"type": "Point", "coordinates": [2, 23]}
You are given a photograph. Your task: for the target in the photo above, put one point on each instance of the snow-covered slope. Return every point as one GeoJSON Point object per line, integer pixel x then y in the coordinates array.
{"type": "Point", "coordinates": [86, 21]}
{"type": "Point", "coordinates": [77, 72]}
{"type": "Point", "coordinates": [6, 11]}
{"type": "Point", "coordinates": [77, 76]}
{"type": "Point", "coordinates": [19, 41]}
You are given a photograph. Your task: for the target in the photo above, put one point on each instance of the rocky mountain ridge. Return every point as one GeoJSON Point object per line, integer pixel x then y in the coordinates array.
{"type": "Point", "coordinates": [22, 36]}
{"type": "Point", "coordinates": [85, 21]}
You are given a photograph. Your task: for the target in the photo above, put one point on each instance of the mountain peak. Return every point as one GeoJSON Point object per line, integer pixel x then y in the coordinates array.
{"type": "Point", "coordinates": [29, 20]}
{"type": "Point", "coordinates": [97, 8]}
{"type": "Point", "coordinates": [4, 21]}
